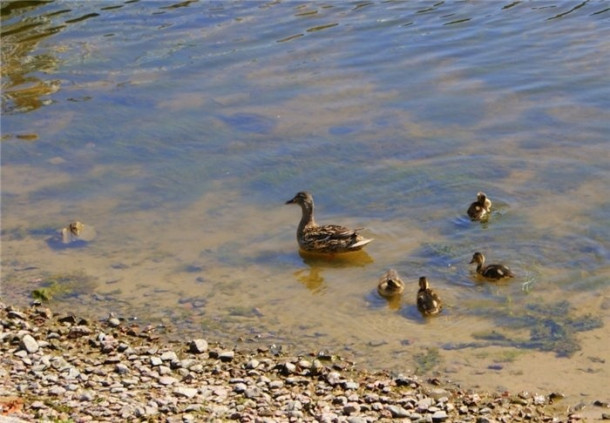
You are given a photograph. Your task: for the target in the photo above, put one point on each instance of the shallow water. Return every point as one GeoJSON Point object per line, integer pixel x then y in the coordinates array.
{"type": "Point", "coordinates": [178, 131]}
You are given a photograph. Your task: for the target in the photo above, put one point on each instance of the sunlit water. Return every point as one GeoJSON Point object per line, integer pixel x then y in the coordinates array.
{"type": "Point", "coordinates": [178, 131]}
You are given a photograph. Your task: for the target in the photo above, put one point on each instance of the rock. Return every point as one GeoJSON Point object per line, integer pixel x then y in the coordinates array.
{"type": "Point", "coordinates": [185, 392]}
{"type": "Point", "coordinates": [167, 380]}
{"type": "Point", "coordinates": [155, 361]}
{"type": "Point", "coordinates": [169, 356]}
{"type": "Point", "coordinates": [351, 385]}
{"type": "Point", "coordinates": [350, 408]}
{"type": "Point", "coordinates": [424, 404]}
{"type": "Point", "coordinates": [289, 368]}
{"type": "Point", "coordinates": [252, 364]}
{"type": "Point", "coordinates": [276, 384]}
{"type": "Point", "coordinates": [114, 322]}
{"type": "Point", "coordinates": [240, 387]}
{"type": "Point", "coordinates": [226, 356]}
{"type": "Point", "coordinates": [57, 391]}
{"type": "Point", "coordinates": [439, 416]}
{"type": "Point", "coordinates": [121, 369]}
{"type": "Point", "coordinates": [398, 412]}
{"type": "Point", "coordinates": [29, 344]}
{"type": "Point", "coordinates": [198, 346]}
{"type": "Point", "coordinates": [333, 378]}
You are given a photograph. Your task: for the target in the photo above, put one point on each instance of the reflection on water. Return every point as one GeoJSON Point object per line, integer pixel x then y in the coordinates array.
{"type": "Point", "coordinates": [178, 129]}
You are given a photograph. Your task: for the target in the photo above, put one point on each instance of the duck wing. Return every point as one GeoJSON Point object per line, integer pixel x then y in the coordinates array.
{"type": "Point", "coordinates": [333, 238]}
{"type": "Point", "coordinates": [498, 271]}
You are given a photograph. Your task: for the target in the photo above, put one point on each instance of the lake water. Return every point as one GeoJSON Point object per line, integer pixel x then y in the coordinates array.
{"type": "Point", "coordinates": [179, 129]}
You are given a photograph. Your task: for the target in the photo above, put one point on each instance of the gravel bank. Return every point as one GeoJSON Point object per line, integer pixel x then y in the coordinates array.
{"type": "Point", "coordinates": [66, 368]}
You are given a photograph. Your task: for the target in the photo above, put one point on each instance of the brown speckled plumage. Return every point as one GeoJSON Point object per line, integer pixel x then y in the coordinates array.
{"type": "Point", "coordinates": [428, 301]}
{"type": "Point", "coordinates": [326, 238]}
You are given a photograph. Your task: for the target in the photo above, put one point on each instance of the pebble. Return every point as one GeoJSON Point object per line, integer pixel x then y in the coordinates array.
{"type": "Point", "coordinates": [439, 416]}
{"type": "Point", "coordinates": [185, 392]}
{"type": "Point", "coordinates": [198, 346]}
{"type": "Point", "coordinates": [29, 344]}
{"type": "Point", "coordinates": [226, 356]}
{"type": "Point", "coordinates": [167, 380]}
{"type": "Point", "coordinates": [398, 412]}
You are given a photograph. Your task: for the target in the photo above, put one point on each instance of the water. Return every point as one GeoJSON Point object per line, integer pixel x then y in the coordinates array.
{"type": "Point", "coordinates": [178, 131]}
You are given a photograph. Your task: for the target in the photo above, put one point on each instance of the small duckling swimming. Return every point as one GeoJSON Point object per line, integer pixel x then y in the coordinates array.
{"type": "Point", "coordinates": [491, 271]}
{"type": "Point", "coordinates": [326, 238]}
{"type": "Point", "coordinates": [390, 284]}
{"type": "Point", "coordinates": [72, 232]}
{"type": "Point", "coordinates": [481, 208]}
{"type": "Point", "coordinates": [428, 301]}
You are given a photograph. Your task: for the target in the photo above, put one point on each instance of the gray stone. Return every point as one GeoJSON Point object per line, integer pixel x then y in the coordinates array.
{"type": "Point", "coordinates": [29, 344]}
{"type": "Point", "coordinates": [121, 369]}
{"type": "Point", "coordinates": [198, 346]}
{"type": "Point", "coordinates": [114, 322]}
{"type": "Point", "coordinates": [252, 364]}
{"type": "Point", "coordinates": [276, 384]}
{"type": "Point", "coordinates": [167, 380]}
{"type": "Point", "coordinates": [169, 356]}
{"type": "Point", "coordinates": [424, 404]}
{"type": "Point", "coordinates": [226, 356]}
{"type": "Point", "coordinates": [351, 385]}
{"type": "Point", "coordinates": [350, 408]}
{"type": "Point", "coordinates": [240, 387]}
{"type": "Point", "coordinates": [333, 378]}
{"type": "Point", "coordinates": [185, 392]}
{"type": "Point", "coordinates": [398, 412]}
{"type": "Point", "coordinates": [57, 391]}
{"type": "Point", "coordinates": [155, 361]}
{"type": "Point", "coordinates": [289, 368]}
{"type": "Point", "coordinates": [439, 416]}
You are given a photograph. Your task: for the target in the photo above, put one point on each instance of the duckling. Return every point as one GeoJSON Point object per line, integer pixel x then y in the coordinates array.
{"type": "Point", "coordinates": [491, 271]}
{"type": "Point", "coordinates": [390, 284]}
{"type": "Point", "coordinates": [428, 301]}
{"type": "Point", "coordinates": [326, 238]}
{"type": "Point", "coordinates": [481, 208]}
{"type": "Point", "coordinates": [72, 232]}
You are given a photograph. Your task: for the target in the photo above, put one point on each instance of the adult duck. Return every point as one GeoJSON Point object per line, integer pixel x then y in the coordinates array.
{"type": "Point", "coordinates": [327, 238]}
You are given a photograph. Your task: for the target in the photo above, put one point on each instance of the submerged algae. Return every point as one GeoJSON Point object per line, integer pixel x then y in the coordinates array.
{"type": "Point", "coordinates": [551, 328]}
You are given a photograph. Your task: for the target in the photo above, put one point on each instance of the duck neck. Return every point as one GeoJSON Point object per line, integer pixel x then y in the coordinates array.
{"type": "Point", "coordinates": [480, 267]}
{"type": "Point", "coordinates": [307, 219]}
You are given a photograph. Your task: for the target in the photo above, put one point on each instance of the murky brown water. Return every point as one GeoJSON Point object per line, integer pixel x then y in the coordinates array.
{"type": "Point", "coordinates": [179, 133]}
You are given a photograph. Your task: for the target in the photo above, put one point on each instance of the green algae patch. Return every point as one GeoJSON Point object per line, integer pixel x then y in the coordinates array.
{"type": "Point", "coordinates": [544, 327]}
{"type": "Point", "coordinates": [427, 360]}
{"type": "Point", "coordinates": [65, 285]}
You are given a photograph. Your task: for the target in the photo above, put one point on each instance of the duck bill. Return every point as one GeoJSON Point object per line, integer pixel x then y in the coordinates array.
{"type": "Point", "coordinates": [472, 261]}
{"type": "Point", "coordinates": [291, 201]}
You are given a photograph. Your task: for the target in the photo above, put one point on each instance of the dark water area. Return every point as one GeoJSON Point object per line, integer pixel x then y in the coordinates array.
{"type": "Point", "coordinates": [178, 130]}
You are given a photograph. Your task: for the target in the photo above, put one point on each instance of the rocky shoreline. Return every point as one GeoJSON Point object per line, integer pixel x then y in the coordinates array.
{"type": "Point", "coordinates": [59, 367]}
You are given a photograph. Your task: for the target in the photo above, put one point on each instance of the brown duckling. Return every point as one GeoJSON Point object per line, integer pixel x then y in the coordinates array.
{"type": "Point", "coordinates": [326, 238]}
{"type": "Point", "coordinates": [390, 284]}
{"type": "Point", "coordinates": [428, 301]}
{"type": "Point", "coordinates": [491, 271]}
{"type": "Point", "coordinates": [481, 208]}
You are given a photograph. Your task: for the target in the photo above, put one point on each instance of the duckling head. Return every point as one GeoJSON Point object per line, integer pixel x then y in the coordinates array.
{"type": "Point", "coordinates": [423, 283]}
{"type": "Point", "coordinates": [477, 258]}
{"type": "Point", "coordinates": [484, 201]}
